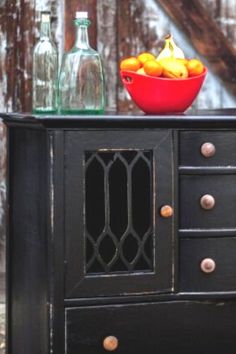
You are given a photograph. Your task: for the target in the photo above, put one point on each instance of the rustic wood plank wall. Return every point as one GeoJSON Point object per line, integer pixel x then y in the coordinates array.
{"type": "Point", "coordinates": [119, 28]}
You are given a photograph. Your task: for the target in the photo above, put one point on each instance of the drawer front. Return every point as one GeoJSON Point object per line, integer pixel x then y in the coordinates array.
{"type": "Point", "coordinates": [167, 327]}
{"type": "Point", "coordinates": [191, 146]}
{"type": "Point", "coordinates": [219, 274]}
{"type": "Point", "coordinates": [222, 188]}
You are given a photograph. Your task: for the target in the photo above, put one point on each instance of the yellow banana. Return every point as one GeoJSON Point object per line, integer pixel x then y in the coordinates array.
{"type": "Point", "coordinates": [167, 51]}
{"type": "Point", "coordinates": [171, 50]}
{"type": "Point", "coordinates": [173, 68]}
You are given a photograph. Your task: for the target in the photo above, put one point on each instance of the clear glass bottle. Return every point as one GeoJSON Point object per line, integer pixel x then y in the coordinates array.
{"type": "Point", "coordinates": [45, 70]}
{"type": "Point", "coordinates": [81, 80]}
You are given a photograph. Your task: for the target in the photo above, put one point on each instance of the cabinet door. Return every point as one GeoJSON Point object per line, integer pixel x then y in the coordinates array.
{"type": "Point", "coordinates": [116, 242]}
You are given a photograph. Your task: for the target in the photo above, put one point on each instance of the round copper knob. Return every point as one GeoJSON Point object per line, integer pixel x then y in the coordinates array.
{"type": "Point", "coordinates": [208, 265]}
{"type": "Point", "coordinates": [208, 149]}
{"type": "Point", "coordinates": [110, 343]}
{"type": "Point", "coordinates": [166, 211]}
{"type": "Point", "coordinates": [207, 202]}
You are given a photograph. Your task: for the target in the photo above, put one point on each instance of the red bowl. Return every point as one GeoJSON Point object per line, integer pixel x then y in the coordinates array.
{"type": "Point", "coordinates": [158, 95]}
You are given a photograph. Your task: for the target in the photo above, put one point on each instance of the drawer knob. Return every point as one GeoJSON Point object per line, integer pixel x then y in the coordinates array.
{"type": "Point", "coordinates": [110, 343]}
{"type": "Point", "coordinates": [207, 202]}
{"type": "Point", "coordinates": [166, 211]}
{"type": "Point", "coordinates": [208, 149]}
{"type": "Point", "coordinates": [208, 265]}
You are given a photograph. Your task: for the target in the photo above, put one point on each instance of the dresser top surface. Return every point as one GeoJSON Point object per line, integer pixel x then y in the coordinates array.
{"type": "Point", "coordinates": [219, 118]}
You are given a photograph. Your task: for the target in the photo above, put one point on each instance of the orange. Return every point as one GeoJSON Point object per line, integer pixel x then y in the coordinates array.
{"type": "Point", "coordinates": [153, 68]}
{"type": "Point", "coordinates": [143, 57]}
{"type": "Point", "coordinates": [131, 63]}
{"type": "Point", "coordinates": [195, 67]}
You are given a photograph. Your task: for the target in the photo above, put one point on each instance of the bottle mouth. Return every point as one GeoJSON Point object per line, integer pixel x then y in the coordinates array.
{"type": "Point", "coordinates": [45, 16]}
{"type": "Point", "coordinates": [81, 15]}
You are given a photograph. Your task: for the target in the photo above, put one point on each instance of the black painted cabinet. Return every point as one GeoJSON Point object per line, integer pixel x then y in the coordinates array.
{"type": "Point", "coordinates": [122, 234]}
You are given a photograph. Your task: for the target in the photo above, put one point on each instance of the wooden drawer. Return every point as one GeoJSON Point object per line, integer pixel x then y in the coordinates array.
{"type": "Point", "coordinates": [166, 327]}
{"type": "Point", "coordinates": [192, 141]}
{"type": "Point", "coordinates": [194, 254]}
{"type": "Point", "coordinates": [221, 188]}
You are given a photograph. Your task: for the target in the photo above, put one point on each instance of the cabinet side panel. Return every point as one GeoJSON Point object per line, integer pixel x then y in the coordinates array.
{"type": "Point", "coordinates": [26, 253]}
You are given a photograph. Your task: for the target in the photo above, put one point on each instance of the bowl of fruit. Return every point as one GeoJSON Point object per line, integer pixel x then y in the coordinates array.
{"type": "Point", "coordinates": [168, 83]}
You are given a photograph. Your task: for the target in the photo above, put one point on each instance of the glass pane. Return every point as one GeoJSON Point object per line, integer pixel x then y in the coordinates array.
{"type": "Point", "coordinates": [119, 206]}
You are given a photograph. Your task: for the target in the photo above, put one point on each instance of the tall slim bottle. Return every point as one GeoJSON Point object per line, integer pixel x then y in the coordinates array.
{"type": "Point", "coordinates": [81, 81]}
{"type": "Point", "coordinates": [45, 70]}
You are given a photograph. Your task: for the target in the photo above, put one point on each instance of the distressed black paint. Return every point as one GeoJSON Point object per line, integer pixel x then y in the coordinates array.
{"type": "Point", "coordinates": [182, 309]}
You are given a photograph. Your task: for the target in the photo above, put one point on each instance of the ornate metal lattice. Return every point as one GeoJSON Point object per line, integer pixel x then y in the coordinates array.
{"type": "Point", "coordinates": [118, 211]}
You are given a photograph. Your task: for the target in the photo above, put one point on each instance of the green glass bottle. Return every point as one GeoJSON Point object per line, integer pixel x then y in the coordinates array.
{"type": "Point", "coordinates": [45, 70]}
{"type": "Point", "coordinates": [81, 80]}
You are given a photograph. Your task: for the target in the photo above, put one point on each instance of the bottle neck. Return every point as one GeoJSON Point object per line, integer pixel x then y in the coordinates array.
{"type": "Point", "coordinates": [45, 30]}
{"type": "Point", "coordinates": [82, 39]}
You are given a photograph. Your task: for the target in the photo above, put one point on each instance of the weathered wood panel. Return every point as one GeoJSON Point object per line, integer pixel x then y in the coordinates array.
{"type": "Point", "coordinates": [137, 32]}
{"type": "Point", "coordinates": [2, 53]}
{"type": "Point", "coordinates": [20, 38]}
{"type": "Point", "coordinates": [107, 47]}
{"type": "Point", "coordinates": [223, 12]}
{"type": "Point", "coordinates": [127, 44]}
{"type": "Point", "coordinates": [140, 26]}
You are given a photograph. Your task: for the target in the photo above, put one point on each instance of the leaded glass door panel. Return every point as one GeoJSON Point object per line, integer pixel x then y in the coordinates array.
{"type": "Point", "coordinates": [115, 184]}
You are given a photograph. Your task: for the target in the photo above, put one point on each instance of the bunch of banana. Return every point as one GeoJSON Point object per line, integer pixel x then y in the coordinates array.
{"type": "Point", "coordinates": [172, 60]}
{"type": "Point", "coordinates": [170, 50]}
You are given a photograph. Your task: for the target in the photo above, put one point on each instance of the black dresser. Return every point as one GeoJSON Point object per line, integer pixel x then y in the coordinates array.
{"type": "Point", "coordinates": [122, 234]}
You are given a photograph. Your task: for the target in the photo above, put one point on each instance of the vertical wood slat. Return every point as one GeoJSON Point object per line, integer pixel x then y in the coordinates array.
{"type": "Point", "coordinates": [224, 13]}
{"type": "Point", "coordinates": [3, 153]}
{"type": "Point", "coordinates": [126, 47]}
{"type": "Point", "coordinates": [107, 48]}
{"type": "Point", "coordinates": [70, 9]}
{"type": "Point", "coordinates": [136, 33]}
{"type": "Point", "coordinates": [2, 56]}
{"type": "Point", "coordinates": [20, 39]}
